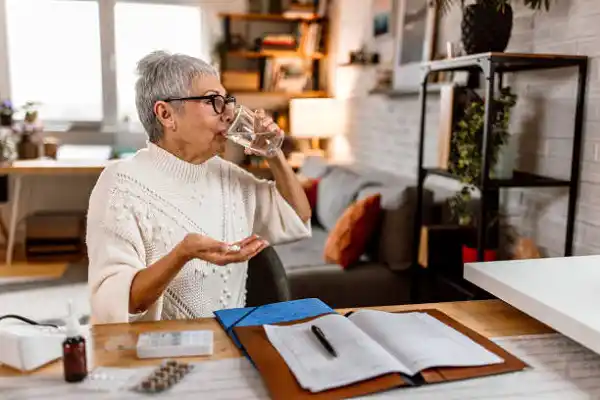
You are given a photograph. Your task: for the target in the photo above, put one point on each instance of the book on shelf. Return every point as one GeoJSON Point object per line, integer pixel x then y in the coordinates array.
{"type": "Point", "coordinates": [300, 9]}
{"type": "Point", "coordinates": [369, 351]}
{"type": "Point", "coordinates": [310, 39]}
{"type": "Point", "coordinates": [306, 9]}
{"type": "Point", "coordinates": [285, 42]}
{"type": "Point", "coordinates": [291, 75]}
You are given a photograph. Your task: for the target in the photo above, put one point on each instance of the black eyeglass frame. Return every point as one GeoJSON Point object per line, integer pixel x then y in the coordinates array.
{"type": "Point", "coordinates": [226, 100]}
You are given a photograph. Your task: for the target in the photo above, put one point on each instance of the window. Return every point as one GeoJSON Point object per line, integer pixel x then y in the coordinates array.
{"type": "Point", "coordinates": [80, 62]}
{"type": "Point", "coordinates": [55, 61]}
{"type": "Point", "coordinates": [142, 28]}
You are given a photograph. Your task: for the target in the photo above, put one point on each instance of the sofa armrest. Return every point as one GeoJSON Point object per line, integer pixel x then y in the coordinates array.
{"type": "Point", "coordinates": [362, 285]}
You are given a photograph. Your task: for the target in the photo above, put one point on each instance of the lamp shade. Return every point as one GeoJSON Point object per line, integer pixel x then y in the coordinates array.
{"type": "Point", "coordinates": [317, 117]}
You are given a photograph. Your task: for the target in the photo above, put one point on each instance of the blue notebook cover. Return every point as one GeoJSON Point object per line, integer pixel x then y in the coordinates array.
{"type": "Point", "coordinates": [270, 314]}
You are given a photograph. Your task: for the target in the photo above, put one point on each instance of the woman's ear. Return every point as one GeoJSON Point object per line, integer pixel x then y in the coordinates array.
{"type": "Point", "coordinates": [164, 113]}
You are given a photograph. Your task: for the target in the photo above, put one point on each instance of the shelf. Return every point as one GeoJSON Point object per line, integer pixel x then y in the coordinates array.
{"type": "Point", "coordinates": [350, 64]}
{"type": "Point", "coordinates": [274, 53]}
{"type": "Point", "coordinates": [270, 17]}
{"type": "Point", "coordinates": [507, 62]}
{"type": "Point", "coordinates": [410, 91]}
{"type": "Point", "coordinates": [311, 93]}
{"type": "Point", "coordinates": [519, 179]}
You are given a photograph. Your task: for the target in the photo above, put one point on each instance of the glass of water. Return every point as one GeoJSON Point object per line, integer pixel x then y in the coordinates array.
{"type": "Point", "coordinates": [247, 130]}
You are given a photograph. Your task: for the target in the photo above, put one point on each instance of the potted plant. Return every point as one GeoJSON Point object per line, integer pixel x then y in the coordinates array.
{"type": "Point", "coordinates": [6, 113]}
{"type": "Point", "coordinates": [29, 131]}
{"type": "Point", "coordinates": [466, 163]}
{"type": "Point", "coordinates": [487, 24]}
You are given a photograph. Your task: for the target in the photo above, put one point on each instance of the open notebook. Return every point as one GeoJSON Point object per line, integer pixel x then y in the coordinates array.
{"type": "Point", "coordinates": [371, 343]}
{"type": "Point", "coordinates": [375, 351]}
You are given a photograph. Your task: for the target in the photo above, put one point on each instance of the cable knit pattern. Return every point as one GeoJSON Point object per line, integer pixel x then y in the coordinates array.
{"type": "Point", "coordinates": [142, 207]}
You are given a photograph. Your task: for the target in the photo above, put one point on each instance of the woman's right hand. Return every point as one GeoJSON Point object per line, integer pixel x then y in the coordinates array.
{"type": "Point", "coordinates": [195, 245]}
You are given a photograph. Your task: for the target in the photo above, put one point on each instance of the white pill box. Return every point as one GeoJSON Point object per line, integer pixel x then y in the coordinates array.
{"type": "Point", "coordinates": [175, 344]}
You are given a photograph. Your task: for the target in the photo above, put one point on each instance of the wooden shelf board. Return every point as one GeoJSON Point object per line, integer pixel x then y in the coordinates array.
{"type": "Point", "coordinates": [268, 17]}
{"type": "Point", "coordinates": [273, 53]}
{"type": "Point", "coordinates": [311, 93]}
{"type": "Point", "coordinates": [353, 64]}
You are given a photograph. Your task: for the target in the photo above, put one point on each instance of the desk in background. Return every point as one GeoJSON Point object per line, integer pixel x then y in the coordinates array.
{"type": "Point", "coordinates": [19, 169]}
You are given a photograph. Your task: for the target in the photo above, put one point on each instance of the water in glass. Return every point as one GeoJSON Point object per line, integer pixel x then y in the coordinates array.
{"type": "Point", "coordinates": [243, 131]}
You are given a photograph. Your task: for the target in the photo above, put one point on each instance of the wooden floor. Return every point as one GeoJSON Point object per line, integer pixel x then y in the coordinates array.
{"type": "Point", "coordinates": [47, 267]}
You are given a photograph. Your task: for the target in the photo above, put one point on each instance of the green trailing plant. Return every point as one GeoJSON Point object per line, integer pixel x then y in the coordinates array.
{"type": "Point", "coordinates": [467, 147]}
{"type": "Point", "coordinates": [445, 5]}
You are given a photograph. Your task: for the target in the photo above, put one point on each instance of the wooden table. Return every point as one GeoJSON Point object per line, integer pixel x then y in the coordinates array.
{"type": "Point", "coordinates": [491, 318]}
{"type": "Point", "coordinates": [22, 168]}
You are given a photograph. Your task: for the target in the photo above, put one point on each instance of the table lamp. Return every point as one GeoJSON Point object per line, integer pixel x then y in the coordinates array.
{"type": "Point", "coordinates": [316, 118]}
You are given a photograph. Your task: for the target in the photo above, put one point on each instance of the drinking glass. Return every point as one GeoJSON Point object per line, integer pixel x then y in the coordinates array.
{"type": "Point", "coordinates": [246, 130]}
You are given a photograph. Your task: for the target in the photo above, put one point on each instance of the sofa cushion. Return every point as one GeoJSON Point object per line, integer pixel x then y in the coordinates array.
{"type": "Point", "coordinates": [337, 190]}
{"type": "Point", "coordinates": [314, 167]}
{"type": "Point", "coordinates": [348, 240]}
{"type": "Point", "coordinates": [393, 244]}
{"type": "Point", "coordinates": [305, 252]}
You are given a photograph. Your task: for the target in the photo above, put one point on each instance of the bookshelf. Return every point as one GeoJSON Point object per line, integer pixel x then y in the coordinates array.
{"type": "Point", "coordinates": [274, 54]}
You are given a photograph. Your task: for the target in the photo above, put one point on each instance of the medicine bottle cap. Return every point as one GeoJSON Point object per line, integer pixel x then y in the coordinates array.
{"type": "Point", "coordinates": [73, 327]}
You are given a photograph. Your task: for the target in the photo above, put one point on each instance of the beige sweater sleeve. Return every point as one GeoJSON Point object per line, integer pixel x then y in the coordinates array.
{"type": "Point", "coordinates": [116, 253]}
{"type": "Point", "coordinates": [273, 217]}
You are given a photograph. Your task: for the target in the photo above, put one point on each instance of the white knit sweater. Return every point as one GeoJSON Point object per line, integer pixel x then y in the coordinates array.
{"type": "Point", "coordinates": [142, 207]}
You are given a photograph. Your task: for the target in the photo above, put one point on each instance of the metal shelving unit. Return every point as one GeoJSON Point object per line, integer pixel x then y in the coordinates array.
{"type": "Point", "coordinates": [494, 66]}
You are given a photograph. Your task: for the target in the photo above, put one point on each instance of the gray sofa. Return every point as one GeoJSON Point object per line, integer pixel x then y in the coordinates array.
{"type": "Point", "coordinates": [382, 276]}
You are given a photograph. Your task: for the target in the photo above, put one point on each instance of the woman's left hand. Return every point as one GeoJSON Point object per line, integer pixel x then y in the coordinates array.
{"type": "Point", "coordinates": [265, 128]}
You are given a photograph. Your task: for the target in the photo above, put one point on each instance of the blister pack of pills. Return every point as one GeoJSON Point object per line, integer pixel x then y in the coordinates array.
{"type": "Point", "coordinates": [164, 377]}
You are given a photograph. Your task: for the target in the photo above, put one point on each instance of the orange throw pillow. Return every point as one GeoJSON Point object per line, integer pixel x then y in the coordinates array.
{"type": "Point", "coordinates": [347, 241]}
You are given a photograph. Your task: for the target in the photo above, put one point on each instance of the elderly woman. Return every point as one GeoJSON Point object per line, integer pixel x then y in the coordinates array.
{"type": "Point", "coordinates": [170, 230]}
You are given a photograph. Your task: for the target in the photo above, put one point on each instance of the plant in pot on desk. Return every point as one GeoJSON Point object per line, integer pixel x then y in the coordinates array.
{"type": "Point", "coordinates": [29, 131]}
{"type": "Point", "coordinates": [466, 165]}
{"type": "Point", "coordinates": [487, 24]}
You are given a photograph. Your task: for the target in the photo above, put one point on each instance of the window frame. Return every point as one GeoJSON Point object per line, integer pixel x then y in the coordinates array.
{"type": "Point", "coordinates": [106, 10]}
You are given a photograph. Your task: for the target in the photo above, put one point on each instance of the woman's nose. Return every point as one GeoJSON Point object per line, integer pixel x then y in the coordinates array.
{"type": "Point", "coordinates": [227, 115]}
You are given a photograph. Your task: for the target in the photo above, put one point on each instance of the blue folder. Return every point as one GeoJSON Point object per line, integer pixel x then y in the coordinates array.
{"type": "Point", "coordinates": [273, 313]}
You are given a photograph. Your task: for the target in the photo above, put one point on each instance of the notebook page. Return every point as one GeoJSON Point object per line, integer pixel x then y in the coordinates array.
{"type": "Point", "coordinates": [561, 369]}
{"type": "Point", "coordinates": [358, 356]}
{"type": "Point", "coordinates": [421, 341]}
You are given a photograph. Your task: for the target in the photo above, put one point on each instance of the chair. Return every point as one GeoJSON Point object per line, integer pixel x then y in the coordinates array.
{"type": "Point", "coordinates": [267, 280]}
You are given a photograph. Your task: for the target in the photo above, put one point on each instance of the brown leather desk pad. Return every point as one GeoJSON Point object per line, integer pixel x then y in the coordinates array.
{"type": "Point", "coordinates": [282, 384]}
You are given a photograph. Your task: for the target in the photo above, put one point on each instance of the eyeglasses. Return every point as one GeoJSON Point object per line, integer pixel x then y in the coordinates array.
{"type": "Point", "coordinates": [219, 102]}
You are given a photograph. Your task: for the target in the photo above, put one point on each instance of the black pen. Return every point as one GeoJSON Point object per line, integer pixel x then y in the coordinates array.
{"type": "Point", "coordinates": [321, 336]}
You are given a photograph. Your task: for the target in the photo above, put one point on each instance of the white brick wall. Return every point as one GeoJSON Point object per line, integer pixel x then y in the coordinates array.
{"type": "Point", "coordinates": [382, 132]}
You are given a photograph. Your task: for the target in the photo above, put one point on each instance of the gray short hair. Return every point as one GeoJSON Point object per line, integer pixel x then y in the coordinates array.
{"type": "Point", "coordinates": [163, 75]}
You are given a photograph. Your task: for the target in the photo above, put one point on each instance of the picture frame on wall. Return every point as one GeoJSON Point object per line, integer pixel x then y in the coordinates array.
{"type": "Point", "coordinates": [383, 15]}
{"type": "Point", "coordinates": [415, 36]}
